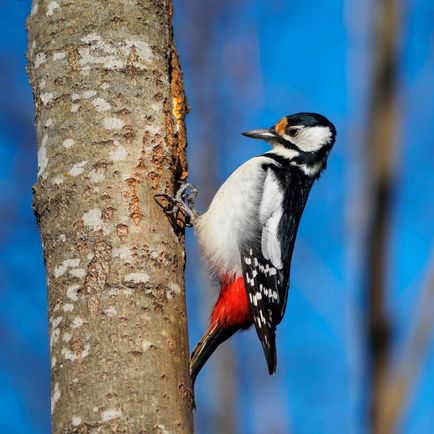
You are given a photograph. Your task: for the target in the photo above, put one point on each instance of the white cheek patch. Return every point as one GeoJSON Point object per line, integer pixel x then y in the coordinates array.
{"type": "Point", "coordinates": [311, 139]}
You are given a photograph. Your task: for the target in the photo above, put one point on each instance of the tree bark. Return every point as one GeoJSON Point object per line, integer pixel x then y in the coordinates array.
{"type": "Point", "coordinates": [110, 110]}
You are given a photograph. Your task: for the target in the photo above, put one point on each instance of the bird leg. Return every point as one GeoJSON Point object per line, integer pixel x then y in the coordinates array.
{"type": "Point", "coordinates": [182, 201]}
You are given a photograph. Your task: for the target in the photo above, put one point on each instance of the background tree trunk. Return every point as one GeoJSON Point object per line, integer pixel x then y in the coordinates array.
{"type": "Point", "coordinates": [110, 110]}
{"type": "Point", "coordinates": [381, 158]}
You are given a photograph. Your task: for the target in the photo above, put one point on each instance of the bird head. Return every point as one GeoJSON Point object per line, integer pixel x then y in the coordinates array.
{"type": "Point", "coordinates": [302, 132]}
{"type": "Point", "coordinates": [303, 139]}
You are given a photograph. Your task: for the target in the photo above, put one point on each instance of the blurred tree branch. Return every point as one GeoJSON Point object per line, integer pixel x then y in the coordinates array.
{"type": "Point", "coordinates": [399, 385]}
{"type": "Point", "coordinates": [380, 179]}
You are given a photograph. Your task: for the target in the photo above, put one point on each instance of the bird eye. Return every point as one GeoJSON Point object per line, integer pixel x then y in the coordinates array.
{"type": "Point", "coordinates": [293, 132]}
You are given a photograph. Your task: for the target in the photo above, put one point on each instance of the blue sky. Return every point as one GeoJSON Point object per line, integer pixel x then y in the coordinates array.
{"type": "Point", "coordinates": [261, 60]}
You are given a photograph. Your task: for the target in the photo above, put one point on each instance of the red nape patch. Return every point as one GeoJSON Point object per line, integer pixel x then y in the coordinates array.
{"type": "Point", "coordinates": [232, 307]}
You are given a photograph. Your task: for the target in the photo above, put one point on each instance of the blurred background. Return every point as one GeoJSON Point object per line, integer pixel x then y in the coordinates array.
{"type": "Point", "coordinates": [356, 348]}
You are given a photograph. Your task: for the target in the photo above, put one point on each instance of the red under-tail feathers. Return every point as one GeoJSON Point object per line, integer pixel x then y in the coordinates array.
{"type": "Point", "coordinates": [230, 314]}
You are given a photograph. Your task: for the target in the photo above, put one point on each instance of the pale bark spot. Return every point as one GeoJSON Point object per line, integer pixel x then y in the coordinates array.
{"type": "Point", "coordinates": [49, 122]}
{"type": "Point", "coordinates": [92, 219]}
{"type": "Point", "coordinates": [68, 143]}
{"type": "Point", "coordinates": [162, 429]}
{"type": "Point", "coordinates": [68, 354]}
{"type": "Point", "coordinates": [68, 307]}
{"type": "Point", "coordinates": [54, 337]}
{"type": "Point", "coordinates": [35, 8]}
{"type": "Point", "coordinates": [173, 288]}
{"type": "Point", "coordinates": [52, 6]}
{"type": "Point", "coordinates": [123, 252]}
{"type": "Point", "coordinates": [95, 176]}
{"type": "Point", "coordinates": [56, 321]}
{"type": "Point", "coordinates": [77, 322]}
{"type": "Point", "coordinates": [86, 351]}
{"type": "Point", "coordinates": [74, 107]}
{"type": "Point", "coordinates": [46, 97]}
{"type": "Point", "coordinates": [76, 421]}
{"type": "Point", "coordinates": [55, 397]}
{"type": "Point", "coordinates": [78, 168]}
{"type": "Point", "coordinates": [111, 311]}
{"type": "Point", "coordinates": [53, 361]}
{"type": "Point", "coordinates": [42, 83]}
{"type": "Point", "coordinates": [113, 291]}
{"type": "Point", "coordinates": [137, 278]}
{"type": "Point", "coordinates": [111, 414]}
{"type": "Point", "coordinates": [143, 50]}
{"type": "Point", "coordinates": [78, 272]}
{"type": "Point", "coordinates": [75, 97]}
{"type": "Point", "coordinates": [90, 37]}
{"type": "Point", "coordinates": [61, 269]}
{"type": "Point", "coordinates": [55, 331]}
{"type": "Point", "coordinates": [101, 104]}
{"type": "Point", "coordinates": [67, 337]}
{"type": "Point", "coordinates": [89, 56]}
{"type": "Point", "coordinates": [59, 55]}
{"type": "Point", "coordinates": [118, 154]}
{"type": "Point", "coordinates": [153, 129]}
{"type": "Point", "coordinates": [42, 157]}
{"type": "Point", "coordinates": [146, 345]}
{"type": "Point", "coordinates": [114, 56]}
{"type": "Point", "coordinates": [72, 293]}
{"type": "Point", "coordinates": [40, 58]}
{"type": "Point", "coordinates": [89, 94]}
{"type": "Point", "coordinates": [113, 123]}
{"type": "Point", "coordinates": [58, 179]}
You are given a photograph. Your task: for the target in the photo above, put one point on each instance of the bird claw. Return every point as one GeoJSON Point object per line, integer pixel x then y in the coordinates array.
{"type": "Point", "coordinates": [182, 201]}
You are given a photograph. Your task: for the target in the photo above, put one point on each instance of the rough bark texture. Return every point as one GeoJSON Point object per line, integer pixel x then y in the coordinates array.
{"type": "Point", "coordinates": [110, 110]}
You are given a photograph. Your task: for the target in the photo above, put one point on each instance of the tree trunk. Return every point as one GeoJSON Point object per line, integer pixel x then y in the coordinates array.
{"type": "Point", "coordinates": [110, 111]}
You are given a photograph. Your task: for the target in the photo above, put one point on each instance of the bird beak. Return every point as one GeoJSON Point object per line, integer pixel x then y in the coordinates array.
{"type": "Point", "coordinates": [263, 133]}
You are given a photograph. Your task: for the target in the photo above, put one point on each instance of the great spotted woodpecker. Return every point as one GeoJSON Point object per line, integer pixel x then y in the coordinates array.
{"type": "Point", "coordinates": [248, 233]}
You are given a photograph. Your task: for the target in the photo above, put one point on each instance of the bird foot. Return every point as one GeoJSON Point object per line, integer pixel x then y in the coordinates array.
{"type": "Point", "coordinates": [182, 201]}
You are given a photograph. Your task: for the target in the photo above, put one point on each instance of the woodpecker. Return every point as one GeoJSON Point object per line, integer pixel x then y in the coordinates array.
{"type": "Point", "coordinates": [247, 235]}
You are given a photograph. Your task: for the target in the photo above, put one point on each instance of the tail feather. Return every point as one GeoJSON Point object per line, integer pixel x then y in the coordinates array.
{"type": "Point", "coordinates": [213, 337]}
{"type": "Point", "coordinates": [268, 342]}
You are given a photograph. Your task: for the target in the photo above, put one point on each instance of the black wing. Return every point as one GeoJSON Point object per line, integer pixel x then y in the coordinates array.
{"type": "Point", "coordinates": [266, 258]}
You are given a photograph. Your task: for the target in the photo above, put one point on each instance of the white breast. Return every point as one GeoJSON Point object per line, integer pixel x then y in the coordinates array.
{"type": "Point", "coordinates": [232, 216]}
